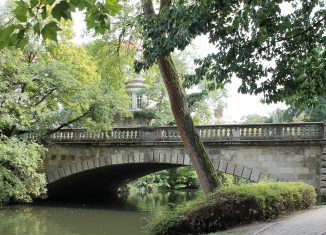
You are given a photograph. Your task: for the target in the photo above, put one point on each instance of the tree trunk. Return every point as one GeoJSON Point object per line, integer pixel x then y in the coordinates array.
{"type": "Point", "coordinates": [183, 119]}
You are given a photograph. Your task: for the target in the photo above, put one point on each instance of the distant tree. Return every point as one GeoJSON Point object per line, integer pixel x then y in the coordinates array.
{"type": "Point", "coordinates": [313, 114]}
{"type": "Point", "coordinates": [277, 116]}
{"type": "Point", "coordinates": [253, 118]}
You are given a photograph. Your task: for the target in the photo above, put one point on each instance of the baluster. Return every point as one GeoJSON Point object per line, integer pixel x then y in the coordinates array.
{"type": "Point", "coordinates": [210, 133]}
{"type": "Point", "coordinates": [241, 132]}
{"type": "Point", "coordinates": [204, 133]}
{"type": "Point", "coordinates": [296, 134]}
{"type": "Point", "coordinates": [292, 132]}
{"type": "Point", "coordinates": [214, 133]}
{"type": "Point", "coordinates": [260, 132]}
{"type": "Point", "coordinates": [250, 132]}
{"type": "Point", "coordinates": [312, 132]}
{"type": "Point", "coordinates": [285, 131]}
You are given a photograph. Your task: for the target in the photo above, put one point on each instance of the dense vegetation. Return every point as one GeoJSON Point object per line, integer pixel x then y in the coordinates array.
{"type": "Point", "coordinates": [234, 205]}
{"type": "Point", "coordinates": [20, 167]}
{"type": "Point", "coordinates": [175, 179]}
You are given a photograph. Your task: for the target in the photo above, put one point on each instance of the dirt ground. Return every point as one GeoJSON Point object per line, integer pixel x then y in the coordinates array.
{"type": "Point", "coordinates": [310, 222]}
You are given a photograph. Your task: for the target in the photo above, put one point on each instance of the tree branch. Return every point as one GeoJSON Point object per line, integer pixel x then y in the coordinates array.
{"type": "Point", "coordinates": [45, 96]}
{"type": "Point", "coordinates": [296, 35]}
{"type": "Point", "coordinates": [69, 122]}
{"type": "Point", "coordinates": [148, 7]}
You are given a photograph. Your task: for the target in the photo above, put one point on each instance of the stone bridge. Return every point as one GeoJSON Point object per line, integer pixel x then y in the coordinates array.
{"type": "Point", "coordinates": [79, 162]}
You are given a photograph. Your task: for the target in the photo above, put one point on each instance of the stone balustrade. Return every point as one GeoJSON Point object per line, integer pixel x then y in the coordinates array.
{"type": "Point", "coordinates": [284, 131]}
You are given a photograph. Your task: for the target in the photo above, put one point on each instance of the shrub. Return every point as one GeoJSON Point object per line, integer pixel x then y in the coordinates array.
{"type": "Point", "coordinates": [20, 179]}
{"type": "Point", "coordinates": [234, 205]}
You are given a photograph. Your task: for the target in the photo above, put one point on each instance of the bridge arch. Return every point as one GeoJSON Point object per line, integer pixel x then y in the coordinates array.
{"type": "Point", "coordinates": [289, 151]}
{"type": "Point", "coordinates": [104, 174]}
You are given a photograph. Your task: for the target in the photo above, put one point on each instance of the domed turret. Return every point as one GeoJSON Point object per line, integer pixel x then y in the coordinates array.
{"type": "Point", "coordinates": [135, 89]}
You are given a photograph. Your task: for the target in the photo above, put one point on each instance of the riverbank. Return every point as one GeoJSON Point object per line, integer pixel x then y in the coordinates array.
{"type": "Point", "coordinates": [310, 222]}
{"type": "Point", "coordinates": [232, 206]}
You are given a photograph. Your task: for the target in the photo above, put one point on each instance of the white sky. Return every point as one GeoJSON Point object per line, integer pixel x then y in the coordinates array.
{"type": "Point", "coordinates": [238, 105]}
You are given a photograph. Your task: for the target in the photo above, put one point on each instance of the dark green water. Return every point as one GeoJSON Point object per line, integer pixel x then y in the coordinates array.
{"type": "Point", "coordinates": [126, 215]}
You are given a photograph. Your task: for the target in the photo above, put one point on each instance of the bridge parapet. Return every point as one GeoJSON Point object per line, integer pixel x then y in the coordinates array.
{"type": "Point", "coordinates": [243, 132]}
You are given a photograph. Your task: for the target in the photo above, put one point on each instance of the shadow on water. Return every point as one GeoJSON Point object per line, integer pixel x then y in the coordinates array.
{"type": "Point", "coordinates": [109, 214]}
{"type": "Point", "coordinates": [107, 201]}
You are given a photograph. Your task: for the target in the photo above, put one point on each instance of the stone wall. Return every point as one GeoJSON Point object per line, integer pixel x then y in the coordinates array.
{"type": "Point", "coordinates": [290, 161]}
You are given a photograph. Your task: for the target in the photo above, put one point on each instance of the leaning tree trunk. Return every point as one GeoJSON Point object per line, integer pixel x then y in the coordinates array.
{"type": "Point", "coordinates": [190, 138]}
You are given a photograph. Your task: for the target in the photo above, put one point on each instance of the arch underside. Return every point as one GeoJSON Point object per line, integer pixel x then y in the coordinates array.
{"type": "Point", "coordinates": [103, 179]}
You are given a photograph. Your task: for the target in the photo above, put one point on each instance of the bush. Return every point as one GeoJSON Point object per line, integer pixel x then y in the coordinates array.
{"type": "Point", "coordinates": [234, 205]}
{"type": "Point", "coordinates": [20, 180]}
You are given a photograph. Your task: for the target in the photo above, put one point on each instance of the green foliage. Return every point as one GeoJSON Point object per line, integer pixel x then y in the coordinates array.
{"type": "Point", "coordinates": [202, 104]}
{"type": "Point", "coordinates": [43, 18]}
{"type": "Point", "coordinates": [60, 87]}
{"type": "Point", "coordinates": [276, 53]}
{"type": "Point", "coordinates": [20, 167]}
{"type": "Point", "coordinates": [230, 206]}
{"type": "Point", "coordinates": [317, 113]}
{"type": "Point", "coordinates": [177, 178]}
{"type": "Point", "coordinates": [277, 116]}
{"type": "Point", "coordinates": [42, 90]}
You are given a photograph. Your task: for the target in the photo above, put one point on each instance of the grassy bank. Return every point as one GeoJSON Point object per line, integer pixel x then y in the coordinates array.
{"type": "Point", "coordinates": [234, 205]}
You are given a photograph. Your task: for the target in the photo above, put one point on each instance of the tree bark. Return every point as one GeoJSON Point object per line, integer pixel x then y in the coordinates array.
{"type": "Point", "coordinates": [189, 136]}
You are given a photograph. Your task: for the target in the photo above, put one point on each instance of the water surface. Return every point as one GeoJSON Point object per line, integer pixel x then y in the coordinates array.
{"type": "Point", "coordinates": [124, 215]}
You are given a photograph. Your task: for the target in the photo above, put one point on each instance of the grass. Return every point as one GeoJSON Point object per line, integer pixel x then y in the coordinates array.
{"type": "Point", "coordinates": [234, 205]}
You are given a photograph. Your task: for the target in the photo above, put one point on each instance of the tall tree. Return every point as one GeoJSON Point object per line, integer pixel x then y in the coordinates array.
{"type": "Point", "coordinates": [181, 112]}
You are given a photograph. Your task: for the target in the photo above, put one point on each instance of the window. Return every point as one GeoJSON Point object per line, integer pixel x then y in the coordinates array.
{"type": "Point", "coordinates": [139, 99]}
{"type": "Point", "coordinates": [130, 104]}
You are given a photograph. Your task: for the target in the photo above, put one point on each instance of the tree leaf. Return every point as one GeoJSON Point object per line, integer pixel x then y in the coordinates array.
{"type": "Point", "coordinates": [23, 42]}
{"type": "Point", "coordinates": [34, 3]}
{"type": "Point", "coordinates": [44, 13]}
{"type": "Point", "coordinates": [37, 28]}
{"type": "Point", "coordinates": [113, 6]}
{"type": "Point", "coordinates": [50, 2]}
{"type": "Point", "coordinates": [6, 32]}
{"type": "Point", "coordinates": [50, 30]}
{"type": "Point", "coordinates": [61, 10]}
{"type": "Point", "coordinates": [21, 11]}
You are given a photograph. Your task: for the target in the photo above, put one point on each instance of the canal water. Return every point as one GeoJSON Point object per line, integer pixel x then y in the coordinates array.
{"type": "Point", "coordinates": [118, 215]}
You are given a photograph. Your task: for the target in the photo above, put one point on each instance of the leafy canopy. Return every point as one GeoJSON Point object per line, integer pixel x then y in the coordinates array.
{"type": "Point", "coordinates": [43, 18]}
{"type": "Point", "coordinates": [276, 48]}
{"type": "Point", "coordinates": [55, 88]}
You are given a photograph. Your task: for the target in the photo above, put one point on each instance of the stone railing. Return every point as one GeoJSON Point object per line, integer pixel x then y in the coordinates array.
{"type": "Point", "coordinates": [284, 131]}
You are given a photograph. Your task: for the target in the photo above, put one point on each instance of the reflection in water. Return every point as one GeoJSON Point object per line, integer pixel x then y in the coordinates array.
{"type": "Point", "coordinates": [94, 216]}
{"type": "Point", "coordinates": [153, 201]}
